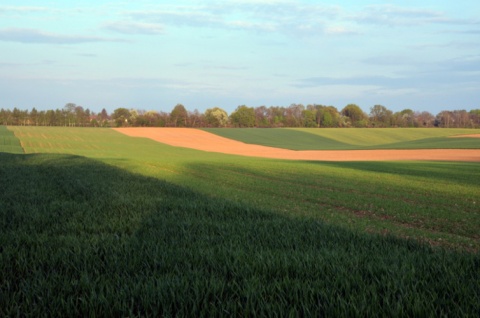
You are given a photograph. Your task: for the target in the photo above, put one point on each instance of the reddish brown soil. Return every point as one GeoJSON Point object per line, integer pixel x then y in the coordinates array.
{"type": "Point", "coordinates": [202, 140]}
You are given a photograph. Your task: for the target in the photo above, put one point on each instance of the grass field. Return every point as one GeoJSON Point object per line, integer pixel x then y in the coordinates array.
{"type": "Point", "coordinates": [94, 222]}
{"type": "Point", "coordinates": [8, 142]}
{"type": "Point", "coordinates": [351, 139]}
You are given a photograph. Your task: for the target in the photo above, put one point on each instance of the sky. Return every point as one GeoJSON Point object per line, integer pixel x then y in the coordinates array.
{"type": "Point", "coordinates": [152, 55]}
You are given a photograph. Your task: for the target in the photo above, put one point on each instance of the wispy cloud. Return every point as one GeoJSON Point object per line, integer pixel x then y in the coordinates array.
{"type": "Point", "coordinates": [393, 15]}
{"type": "Point", "coordinates": [34, 36]}
{"type": "Point", "coordinates": [126, 27]}
{"type": "Point", "coordinates": [254, 15]}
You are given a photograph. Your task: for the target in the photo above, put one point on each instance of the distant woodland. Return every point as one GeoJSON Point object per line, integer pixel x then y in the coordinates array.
{"type": "Point", "coordinates": [295, 115]}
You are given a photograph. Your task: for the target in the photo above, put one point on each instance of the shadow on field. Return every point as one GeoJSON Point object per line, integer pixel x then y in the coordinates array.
{"type": "Point", "coordinates": [80, 237]}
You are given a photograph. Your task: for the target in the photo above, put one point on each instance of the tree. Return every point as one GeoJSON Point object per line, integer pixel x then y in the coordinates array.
{"type": "Point", "coordinates": [355, 114]}
{"type": "Point", "coordinates": [152, 118]}
{"type": "Point", "coordinates": [327, 119]}
{"type": "Point", "coordinates": [444, 119]}
{"type": "Point", "coordinates": [69, 114]}
{"type": "Point", "coordinates": [309, 116]}
{"type": "Point", "coordinates": [81, 117]}
{"type": "Point", "coordinates": [133, 120]}
{"type": "Point", "coordinates": [294, 115]}
{"type": "Point", "coordinates": [103, 118]}
{"type": "Point", "coordinates": [475, 117]}
{"type": "Point", "coordinates": [121, 116]}
{"type": "Point", "coordinates": [216, 117]}
{"type": "Point", "coordinates": [34, 117]}
{"type": "Point", "coordinates": [50, 118]}
{"type": "Point", "coordinates": [380, 116]}
{"type": "Point", "coordinates": [138, 118]}
{"type": "Point", "coordinates": [261, 117]}
{"type": "Point", "coordinates": [197, 119]}
{"type": "Point", "coordinates": [243, 116]}
{"type": "Point", "coordinates": [327, 116]}
{"type": "Point", "coordinates": [42, 118]}
{"type": "Point", "coordinates": [70, 107]}
{"type": "Point", "coordinates": [277, 116]}
{"type": "Point", "coordinates": [424, 119]}
{"type": "Point", "coordinates": [461, 118]}
{"type": "Point", "coordinates": [404, 118]}
{"type": "Point", "coordinates": [5, 115]}
{"type": "Point", "coordinates": [179, 116]}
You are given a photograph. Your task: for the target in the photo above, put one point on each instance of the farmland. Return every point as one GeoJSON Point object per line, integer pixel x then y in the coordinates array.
{"type": "Point", "coordinates": [348, 139]}
{"type": "Point", "coordinates": [8, 141]}
{"type": "Point", "coordinates": [95, 222]}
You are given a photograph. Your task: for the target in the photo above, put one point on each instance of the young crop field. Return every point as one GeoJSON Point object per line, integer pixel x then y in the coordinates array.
{"type": "Point", "coordinates": [8, 142]}
{"type": "Point", "coordinates": [353, 138]}
{"type": "Point", "coordinates": [98, 223]}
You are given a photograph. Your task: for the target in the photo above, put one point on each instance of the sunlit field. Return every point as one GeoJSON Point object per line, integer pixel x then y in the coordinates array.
{"type": "Point", "coordinates": [351, 139]}
{"type": "Point", "coordinates": [97, 223]}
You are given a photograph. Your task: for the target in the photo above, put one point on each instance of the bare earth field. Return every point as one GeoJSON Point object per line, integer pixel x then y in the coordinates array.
{"type": "Point", "coordinates": [201, 140]}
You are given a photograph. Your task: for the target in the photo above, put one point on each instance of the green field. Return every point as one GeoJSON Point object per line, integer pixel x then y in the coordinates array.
{"type": "Point", "coordinates": [351, 139]}
{"type": "Point", "coordinates": [8, 142]}
{"type": "Point", "coordinates": [97, 223]}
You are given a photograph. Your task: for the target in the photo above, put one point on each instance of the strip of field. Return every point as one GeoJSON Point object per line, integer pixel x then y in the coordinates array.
{"type": "Point", "coordinates": [202, 140]}
{"type": "Point", "coordinates": [352, 138]}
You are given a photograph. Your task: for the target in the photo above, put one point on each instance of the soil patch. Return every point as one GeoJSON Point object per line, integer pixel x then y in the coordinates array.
{"type": "Point", "coordinates": [202, 140]}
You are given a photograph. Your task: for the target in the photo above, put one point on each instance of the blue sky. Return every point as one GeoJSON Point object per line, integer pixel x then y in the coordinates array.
{"type": "Point", "coordinates": [151, 55]}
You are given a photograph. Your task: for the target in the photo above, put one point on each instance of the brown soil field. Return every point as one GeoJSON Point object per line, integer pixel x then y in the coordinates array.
{"type": "Point", "coordinates": [202, 140]}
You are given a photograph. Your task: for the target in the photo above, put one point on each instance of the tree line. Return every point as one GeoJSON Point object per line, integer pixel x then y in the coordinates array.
{"type": "Point", "coordinates": [295, 115]}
